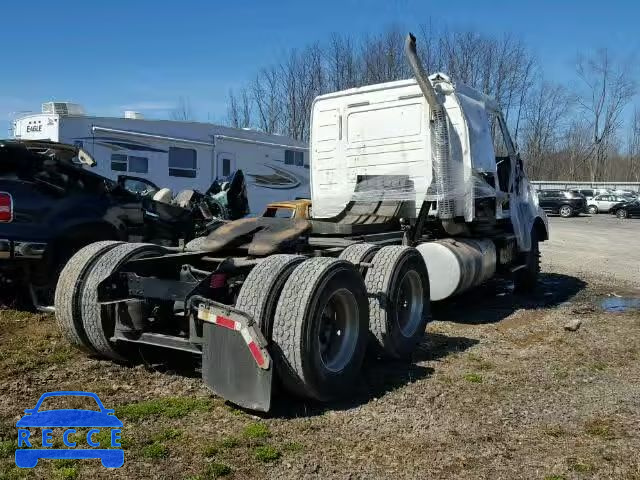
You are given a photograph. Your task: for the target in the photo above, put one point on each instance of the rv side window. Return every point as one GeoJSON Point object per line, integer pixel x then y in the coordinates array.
{"type": "Point", "coordinates": [299, 159]}
{"type": "Point", "coordinates": [118, 162]}
{"type": "Point", "coordinates": [139, 164]}
{"type": "Point", "coordinates": [226, 167]}
{"type": "Point", "coordinates": [289, 156]}
{"type": "Point", "coordinates": [182, 162]}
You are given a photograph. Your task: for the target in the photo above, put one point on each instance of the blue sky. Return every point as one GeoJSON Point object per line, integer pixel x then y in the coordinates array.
{"type": "Point", "coordinates": [143, 55]}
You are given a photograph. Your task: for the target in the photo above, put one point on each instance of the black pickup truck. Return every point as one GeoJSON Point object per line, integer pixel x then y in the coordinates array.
{"type": "Point", "coordinates": [51, 205]}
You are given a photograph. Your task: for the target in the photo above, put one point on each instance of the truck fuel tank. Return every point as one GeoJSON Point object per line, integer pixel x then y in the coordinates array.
{"type": "Point", "coordinates": [457, 264]}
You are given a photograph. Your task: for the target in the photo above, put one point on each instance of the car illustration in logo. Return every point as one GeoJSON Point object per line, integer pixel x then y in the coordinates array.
{"type": "Point", "coordinates": [27, 454]}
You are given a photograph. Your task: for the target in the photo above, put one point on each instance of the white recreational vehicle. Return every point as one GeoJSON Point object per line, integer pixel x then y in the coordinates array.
{"type": "Point", "coordinates": [177, 155]}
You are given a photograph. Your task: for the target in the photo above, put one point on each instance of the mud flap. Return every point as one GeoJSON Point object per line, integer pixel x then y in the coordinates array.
{"type": "Point", "coordinates": [231, 354]}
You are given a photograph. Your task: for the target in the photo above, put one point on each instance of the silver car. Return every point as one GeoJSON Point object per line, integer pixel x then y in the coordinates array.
{"type": "Point", "coordinates": [603, 203]}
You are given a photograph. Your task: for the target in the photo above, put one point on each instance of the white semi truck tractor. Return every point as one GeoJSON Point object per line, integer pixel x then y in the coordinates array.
{"type": "Point", "coordinates": [417, 194]}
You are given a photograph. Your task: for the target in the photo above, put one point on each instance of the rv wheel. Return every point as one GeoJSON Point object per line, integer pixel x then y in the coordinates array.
{"type": "Point", "coordinates": [320, 329]}
{"type": "Point", "coordinates": [67, 293]}
{"type": "Point", "coordinates": [398, 288]}
{"type": "Point", "coordinates": [99, 320]}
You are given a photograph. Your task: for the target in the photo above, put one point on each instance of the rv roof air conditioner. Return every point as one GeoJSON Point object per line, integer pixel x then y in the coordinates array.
{"type": "Point", "coordinates": [62, 108]}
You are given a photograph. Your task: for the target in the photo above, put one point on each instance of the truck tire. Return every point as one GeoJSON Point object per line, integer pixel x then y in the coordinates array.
{"type": "Point", "coordinates": [261, 289]}
{"type": "Point", "coordinates": [70, 282]}
{"type": "Point", "coordinates": [398, 289]}
{"type": "Point", "coordinates": [98, 320]}
{"type": "Point", "coordinates": [359, 252]}
{"type": "Point", "coordinates": [320, 329]}
{"type": "Point", "coordinates": [525, 279]}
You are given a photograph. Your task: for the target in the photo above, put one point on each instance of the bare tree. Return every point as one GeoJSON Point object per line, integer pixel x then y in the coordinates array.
{"type": "Point", "coordinates": [608, 89]}
{"type": "Point", "coordinates": [233, 110]}
{"type": "Point", "coordinates": [267, 100]}
{"type": "Point", "coordinates": [245, 109]}
{"type": "Point", "coordinates": [182, 111]}
{"type": "Point", "coordinates": [383, 58]}
{"type": "Point", "coordinates": [342, 63]}
{"type": "Point", "coordinates": [633, 148]}
{"type": "Point", "coordinates": [279, 98]}
{"type": "Point", "coordinates": [239, 109]}
{"type": "Point", "coordinates": [544, 119]}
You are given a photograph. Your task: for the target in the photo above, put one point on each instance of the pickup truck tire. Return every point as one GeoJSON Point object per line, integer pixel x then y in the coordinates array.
{"type": "Point", "coordinates": [359, 252]}
{"type": "Point", "coordinates": [320, 329]}
{"type": "Point", "coordinates": [525, 280]}
{"type": "Point", "coordinates": [99, 320]}
{"type": "Point", "coordinates": [398, 289]}
{"type": "Point", "coordinates": [68, 315]}
{"type": "Point", "coordinates": [261, 289]}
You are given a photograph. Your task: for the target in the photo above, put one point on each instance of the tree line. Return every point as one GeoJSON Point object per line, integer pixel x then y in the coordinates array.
{"type": "Point", "coordinates": [564, 132]}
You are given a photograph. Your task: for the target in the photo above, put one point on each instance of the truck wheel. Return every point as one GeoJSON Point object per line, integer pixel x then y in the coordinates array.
{"type": "Point", "coordinates": [359, 252]}
{"type": "Point", "coordinates": [70, 282]}
{"type": "Point", "coordinates": [525, 279]}
{"type": "Point", "coordinates": [398, 289]}
{"type": "Point", "coordinates": [320, 329]}
{"type": "Point", "coordinates": [261, 289]}
{"type": "Point", "coordinates": [99, 320]}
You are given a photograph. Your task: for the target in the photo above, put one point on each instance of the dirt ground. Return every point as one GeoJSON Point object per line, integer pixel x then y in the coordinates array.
{"type": "Point", "coordinates": [499, 389]}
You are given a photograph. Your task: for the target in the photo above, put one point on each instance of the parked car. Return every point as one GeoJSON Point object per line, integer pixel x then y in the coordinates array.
{"type": "Point", "coordinates": [603, 203]}
{"type": "Point", "coordinates": [626, 193]}
{"type": "Point", "coordinates": [51, 205]}
{"type": "Point", "coordinates": [626, 209]}
{"type": "Point", "coordinates": [562, 202]}
{"type": "Point", "coordinates": [587, 193]}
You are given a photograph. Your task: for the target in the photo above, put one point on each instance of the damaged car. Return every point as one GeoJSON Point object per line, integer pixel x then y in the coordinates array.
{"type": "Point", "coordinates": [52, 205]}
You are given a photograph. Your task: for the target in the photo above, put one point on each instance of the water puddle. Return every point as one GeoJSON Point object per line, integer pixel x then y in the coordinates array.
{"type": "Point", "coordinates": [620, 304]}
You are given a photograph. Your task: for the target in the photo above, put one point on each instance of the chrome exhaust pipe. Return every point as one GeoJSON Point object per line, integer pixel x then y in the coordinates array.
{"type": "Point", "coordinates": [442, 165]}
{"type": "Point", "coordinates": [421, 76]}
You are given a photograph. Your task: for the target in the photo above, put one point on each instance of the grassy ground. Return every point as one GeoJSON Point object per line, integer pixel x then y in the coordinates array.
{"type": "Point", "coordinates": [499, 389]}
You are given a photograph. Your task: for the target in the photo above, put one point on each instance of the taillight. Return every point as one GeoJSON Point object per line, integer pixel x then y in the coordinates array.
{"type": "Point", "coordinates": [6, 207]}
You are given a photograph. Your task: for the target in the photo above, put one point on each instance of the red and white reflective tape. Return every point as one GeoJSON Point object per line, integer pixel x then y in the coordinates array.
{"type": "Point", "coordinates": [249, 334]}
{"type": "Point", "coordinates": [258, 353]}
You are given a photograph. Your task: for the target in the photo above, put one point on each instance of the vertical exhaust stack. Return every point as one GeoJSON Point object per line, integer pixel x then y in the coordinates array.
{"type": "Point", "coordinates": [442, 164]}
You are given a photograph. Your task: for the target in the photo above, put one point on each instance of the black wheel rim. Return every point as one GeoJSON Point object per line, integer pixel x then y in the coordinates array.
{"type": "Point", "coordinates": [338, 330]}
{"type": "Point", "coordinates": [410, 303]}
